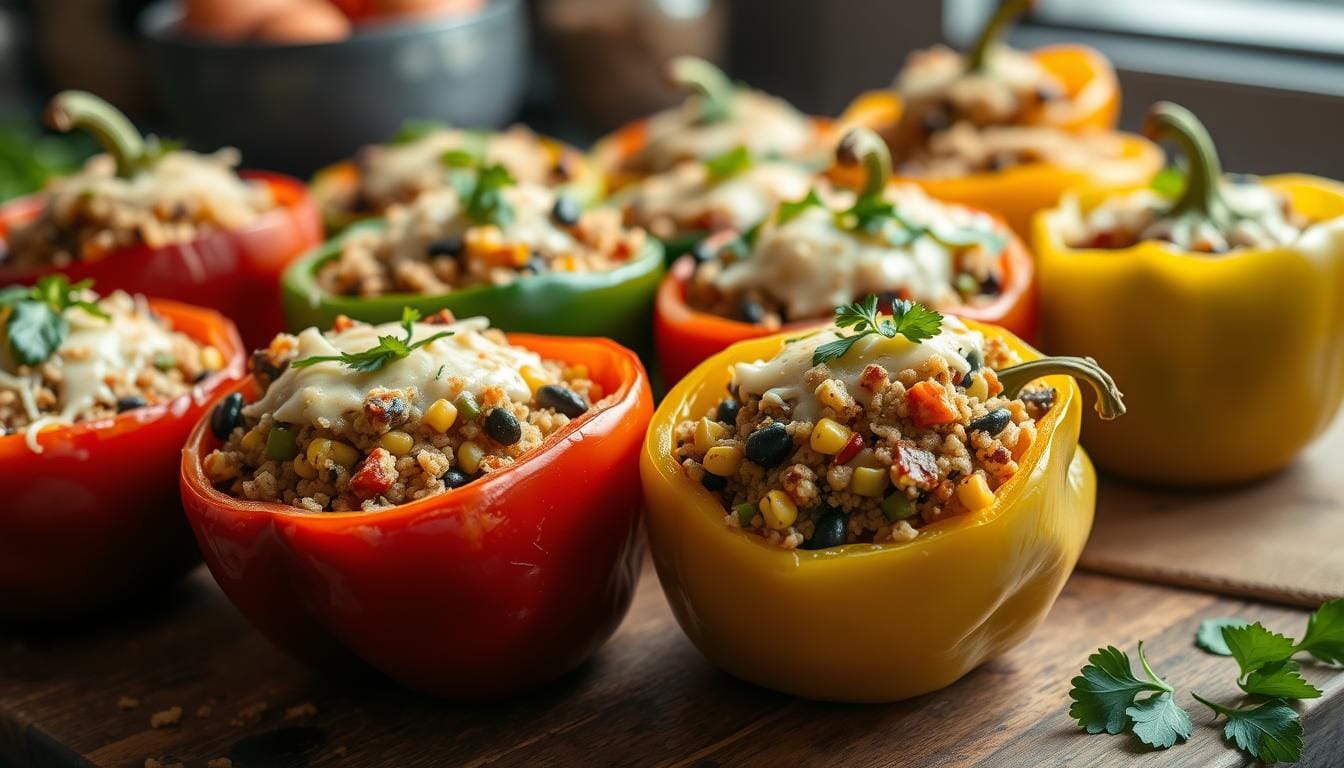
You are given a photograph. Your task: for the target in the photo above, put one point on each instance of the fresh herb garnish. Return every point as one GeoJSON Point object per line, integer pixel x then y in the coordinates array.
{"type": "Point", "coordinates": [413, 130]}
{"type": "Point", "coordinates": [480, 185]}
{"type": "Point", "coordinates": [1105, 698]}
{"type": "Point", "coordinates": [388, 349]}
{"type": "Point", "coordinates": [34, 318]}
{"type": "Point", "coordinates": [1210, 635]}
{"type": "Point", "coordinates": [729, 164]}
{"type": "Point", "coordinates": [715, 93]}
{"type": "Point", "coordinates": [915, 322]}
{"type": "Point", "coordinates": [1270, 732]}
{"type": "Point", "coordinates": [792, 209]}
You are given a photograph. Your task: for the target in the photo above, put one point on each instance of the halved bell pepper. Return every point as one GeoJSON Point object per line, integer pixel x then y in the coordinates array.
{"type": "Point", "coordinates": [1233, 363]}
{"type": "Point", "coordinates": [482, 591]}
{"type": "Point", "coordinates": [866, 622]}
{"type": "Point", "coordinates": [338, 182]}
{"type": "Point", "coordinates": [235, 271]}
{"type": "Point", "coordinates": [615, 303]}
{"type": "Point", "coordinates": [96, 515]}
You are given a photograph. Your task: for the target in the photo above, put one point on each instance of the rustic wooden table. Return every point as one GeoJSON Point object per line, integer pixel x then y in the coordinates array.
{"type": "Point", "coordinates": [647, 699]}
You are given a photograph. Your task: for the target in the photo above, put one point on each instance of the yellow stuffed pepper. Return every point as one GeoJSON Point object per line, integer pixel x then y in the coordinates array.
{"type": "Point", "coordinates": [868, 516]}
{"type": "Point", "coordinates": [1219, 305]}
{"type": "Point", "coordinates": [1004, 130]}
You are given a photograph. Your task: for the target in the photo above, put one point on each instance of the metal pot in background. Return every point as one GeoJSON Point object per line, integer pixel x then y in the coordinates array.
{"type": "Point", "coordinates": [296, 108]}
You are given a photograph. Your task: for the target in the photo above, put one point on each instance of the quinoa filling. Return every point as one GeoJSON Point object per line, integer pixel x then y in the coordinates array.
{"type": "Point", "coordinates": [328, 437]}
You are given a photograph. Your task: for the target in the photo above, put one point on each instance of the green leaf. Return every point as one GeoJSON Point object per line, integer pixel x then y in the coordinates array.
{"type": "Point", "coordinates": [1106, 689]}
{"type": "Point", "coordinates": [486, 204]}
{"type": "Point", "coordinates": [460, 158]}
{"type": "Point", "coordinates": [389, 348]}
{"type": "Point", "coordinates": [832, 350]}
{"type": "Point", "coordinates": [1253, 646]}
{"type": "Point", "coordinates": [414, 130]}
{"type": "Point", "coordinates": [1170, 181]}
{"type": "Point", "coordinates": [728, 164]}
{"type": "Point", "coordinates": [790, 210]}
{"type": "Point", "coordinates": [13, 293]}
{"type": "Point", "coordinates": [1210, 635]}
{"type": "Point", "coordinates": [1279, 679]}
{"type": "Point", "coordinates": [1325, 633]}
{"type": "Point", "coordinates": [1270, 732]}
{"type": "Point", "coordinates": [915, 322]}
{"type": "Point", "coordinates": [35, 331]}
{"type": "Point", "coordinates": [1159, 722]}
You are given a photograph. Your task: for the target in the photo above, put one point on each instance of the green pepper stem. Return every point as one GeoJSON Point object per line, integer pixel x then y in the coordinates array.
{"type": "Point", "coordinates": [1203, 179]}
{"type": "Point", "coordinates": [714, 87]}
{"type": "Point", "coordinates": [862, 145]}
{"type": "Point", "coordinates": [1110, 402]}
{"type": "Point", "coordinates": [69, 110]}
{"type": "Point", "coordinates": [1007, 12]}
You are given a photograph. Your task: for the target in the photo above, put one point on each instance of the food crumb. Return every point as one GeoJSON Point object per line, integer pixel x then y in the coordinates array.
{"type": "Point", "coordinates": [220, 762]}
{"type": "Point", "coordinates": [204, 711]}
{"type": "Point", "coordinates": [249, 714]}
{"type": "Point", "coordinates": [306, 709]}
{"type": "Point", "coordinates": [166, 718]}
{"type": "Point", "coordinates": [126, 703]}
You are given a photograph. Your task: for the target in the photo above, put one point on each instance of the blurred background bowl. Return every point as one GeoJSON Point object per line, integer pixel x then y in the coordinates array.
{"type": "Point", "coordinates": [297, 107]}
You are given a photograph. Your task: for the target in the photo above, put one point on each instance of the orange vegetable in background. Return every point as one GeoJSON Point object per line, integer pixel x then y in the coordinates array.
{"type": "Point", "coordinates": [228, 19]}
{"type": "Point", "coordinates": [306, 21]}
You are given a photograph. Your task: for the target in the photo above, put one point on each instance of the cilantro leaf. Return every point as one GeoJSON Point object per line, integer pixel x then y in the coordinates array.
{"type": "Point", "coordinates": [915, 322]}
{"type": "Point", "coordinates": [460, 158]}
{"type": "Point", "coordinates": [35, 331]}
{"type": "Point", "coordinates": [414, 130]}
{"type": "Point", "coordinates": [486, 204]}
{"type": "Point", "coordinates": [832, 350]}
{"type": "Point", "coordinates": [1106, 689]}
{"type": "Point", "coordinates": [1210, 635]}
{"type": "Point", "coordinates": [389, 348]}
{"type": "Point", "coordinates": [1170, 181]}
{"type": "Point", "coordinates": [1253, 646]}
{"type": "Point", "coordinates": [1270, 732]}
{"type": "Point", "coordinates": [1279, 679]}
{"type": "Point", "coordinates": [1159, 722]}
{"type": "Point", "coordinates": [790, 210]}
{"type": "Point", "coordinates": [1325, 633]}
{"type": "Point", "coordinates": [729, 164]}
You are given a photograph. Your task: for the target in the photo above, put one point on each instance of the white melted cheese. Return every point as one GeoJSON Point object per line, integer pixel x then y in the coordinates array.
{"type": "Point", "coordinates": [939, 75]}
{"type": "Point", "coordinates": [764, 124]}
{"type": "Point", "coordinates": [327, 394]}
{"type": "Point", "coordinates": [208, 181]}
{"type": "Point", "coordinates": [779, 380]}
{"type": "Point", "coordinates": [687, 193]}
{"type": "Point", "coordinates": [389, 169]}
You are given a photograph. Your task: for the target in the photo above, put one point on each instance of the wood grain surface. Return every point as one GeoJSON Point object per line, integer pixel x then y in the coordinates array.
{"type": "Point", "coordinates": [1280, 539]}
{"type": "Point", "coordinates": [647, 699]}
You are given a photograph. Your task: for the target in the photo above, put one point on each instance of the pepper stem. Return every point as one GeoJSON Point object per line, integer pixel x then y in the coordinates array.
{"type": "Point", "coordinates": [1007, 12]}
{"type": "Point", "coordinates": [862, 145]}
{"type": "Point", "coordinates": [69, 110]}
{"type": "Point", "coordinates": [1202, 196]}
{"type": "Point", "coordinates": [1110, 402]}
{"type": "Point", "coordinates": [714, 87]}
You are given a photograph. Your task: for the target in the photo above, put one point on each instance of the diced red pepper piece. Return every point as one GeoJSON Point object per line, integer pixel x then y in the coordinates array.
{"type": "Point", "coordinates": [375, 474]}
{"type": "Point", "coordinates": [917, 464]}
{"type": "Point", "coordinates": [851, 449]}
{"type": "Point", "coordinates": [929, 406]}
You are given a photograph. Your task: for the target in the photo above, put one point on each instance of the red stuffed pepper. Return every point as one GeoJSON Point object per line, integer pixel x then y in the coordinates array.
{"type": "Point", "coordinates": [456, 508]}
{"type": "Point", "coordinates": [92, 422]}
{"type": "Point", "coordinates": [147, 218]}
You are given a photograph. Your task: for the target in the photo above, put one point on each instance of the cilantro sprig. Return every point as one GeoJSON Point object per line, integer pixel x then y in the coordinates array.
{"type": "Point", "coordinates": [915, 322]}
{"type": "Point", "coordinates": [388, 349]}
{"type": "Point", "coordinates": [1106, 698]}
{"type": "Point", "coordinates": [729, 164]}
{"type": "Point", "coordinates": [480, 184]}
{"type": "Point", "coordinates": [33, 318]}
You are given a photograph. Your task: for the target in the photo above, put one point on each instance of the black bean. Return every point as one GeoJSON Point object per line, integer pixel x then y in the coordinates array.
{"type": "Point", "coordinates": [503, 427]}
{"type": "Point", "coordinates": [536, 264]}
{"type": "Point", "coordinates": [769, 446]}
{"type": "Point", "coordinates": [566, 211]}
{"type": "Point", "coordinates": [751, 311]}
{"type": "Point", "coordinates": [446, 246]}
{"type": "Point", "coordinates": [713, 482]}
{"type": "Point", "coordinates": [265, 370]}
{"type": "Point", "coordinates": [562, 399]}
{"type": "Point", "coordinates": [829, 531]}
{"type": "Point", "coordinates": [130, 403]}
{"type": "Point", "coordinates": [202, 376]}
{"type": "Point", "coordinates": [728, 410]}
{"type": "Point", "coordinates": [992, 423]}
{"type": "Point", "coordinates": [227, 415]}
{"type": "Point", "coordinates": [454, 479]}
{"type": "Point", "coordinates": [990, 286]}
{"type": "Point", "coordinates": [1041, 398]}
{"type": "Point", "coordinates": [976, 361]}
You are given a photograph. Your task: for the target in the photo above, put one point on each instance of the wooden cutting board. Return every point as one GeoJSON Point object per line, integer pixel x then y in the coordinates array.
{"type": "Point", "coordinates": [1279, 540]}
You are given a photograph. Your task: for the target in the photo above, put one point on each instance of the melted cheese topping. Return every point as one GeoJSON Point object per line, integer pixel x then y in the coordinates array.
{"type": "Point", "coordinates": [780, 380]}
{"type": "Point", "coordinates": [208, 183]}
{"type": "Point", "coordinates": [390, 169]}
{"type": "Point", "coordinates": [327, 394]}
{"type": "Point", "coordinates": [939, 75]}
{"type": "Point", "coordinates": [811, 266]}
{"type": "Point", "coordinates": [687, 193]}
{"type": "Point", "coordinates": [765, 125]}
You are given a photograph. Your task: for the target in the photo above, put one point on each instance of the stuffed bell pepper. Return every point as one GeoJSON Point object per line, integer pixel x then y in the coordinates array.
{"type": "Point", "coordinates": [1219, 301]}
{"type": "Point", "coordinates": [868, 510]}
{"type": "Point", "coordinates": [525, 255]}
{"type": "Point", "coordinates": [717, 118]}
{"type": "Point", "coordinates": [97, 396]}
{"type": "Point", "coordinates": [1005, 130]}
{"type": "Point", "coordinates": [456, 508]}
{"type": "Point", "coordinates": [148, 218]}
{"type": "Point", "coordinates": [416, 161]}
{"type": "Point", "coordinates": [831, 247]}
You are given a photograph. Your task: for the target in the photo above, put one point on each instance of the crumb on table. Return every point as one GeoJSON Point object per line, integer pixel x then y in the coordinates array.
{"type": "Point", "coordinates": [166, 718]}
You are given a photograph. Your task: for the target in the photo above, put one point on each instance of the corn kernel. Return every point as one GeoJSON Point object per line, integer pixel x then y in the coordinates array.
{"type": "Point", "coordinates": [707, 433]}
{"type": "Point", "coordinates": [482, 240]}
{"type": "Point", "coordinates": [829, 436]}
{"type": "Point", "coordinates": [868, 481]}
{"type": "Point", "coordinates": [778, 510]}
{"type": "Point", "coordinates": [973, 492]}
{"type": "Point", "coordinates": [469, 457]}
{"type": "Point", "coordinates": [577, 371]}
{"type": "Point", "coordinates": [535, 379]}
{"type": "Point", "coordinates": [304, 469]}
{"type": "Point", "coordinates": [832, 394]}
{"type": "Point", "coordinates": [565, 264]}
{"type": "Point", "coordinates": [723, 460]}
{"type": "Point", "coordinates": [318, 451]}
{"type": "Point", "coordinates": [343, 454]}
{"type": "Point", "coordinates": [397, 443]}
{"type": "Point", "coordinates": [979, 388]}
{"type": "Point", "coordinates": [212, 359]}
{"type": "Point", "coordinates": [440, 415]}
{"type": "Point", "coordinates": [518, 254]}
{"type": "Point", "coordinates": [253, 440]}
